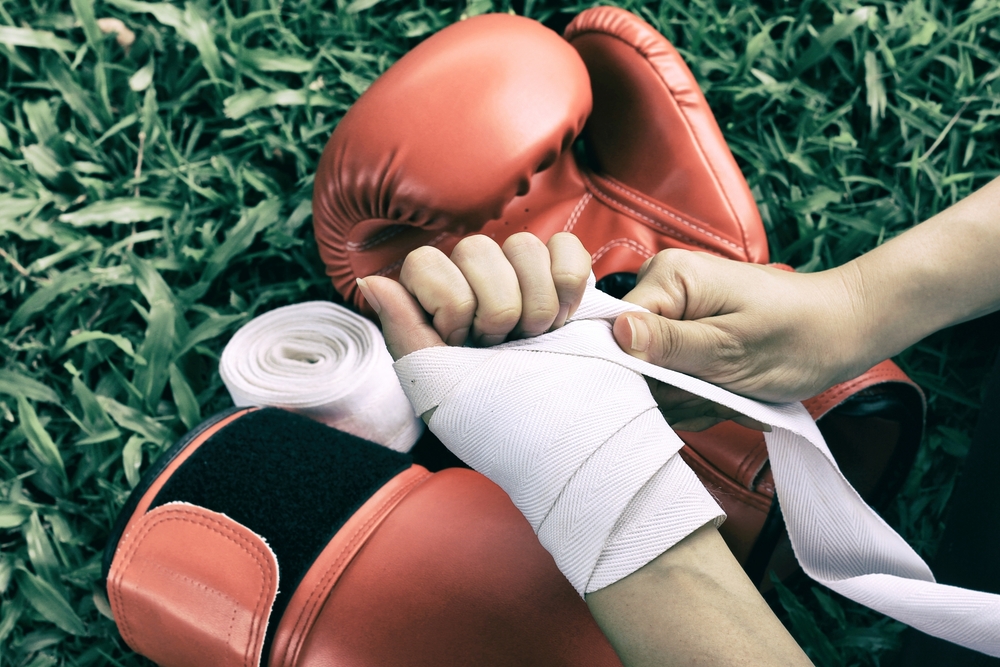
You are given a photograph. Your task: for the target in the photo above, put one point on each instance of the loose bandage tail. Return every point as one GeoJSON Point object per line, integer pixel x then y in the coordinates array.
{"type": "Point", "coordinates": [566, 425]}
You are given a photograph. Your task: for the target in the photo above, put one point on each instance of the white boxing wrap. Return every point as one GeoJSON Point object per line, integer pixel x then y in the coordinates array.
{"type": "Point", "coordinates": [566, 425]}
{"type": "Point", "coordinates": [325, 362]}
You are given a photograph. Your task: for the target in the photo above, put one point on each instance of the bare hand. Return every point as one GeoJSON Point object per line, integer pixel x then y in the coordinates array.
{"type": "Point", "coordinates": [483, 294]}
{"type": "Point", "coordinates": [754, 330]}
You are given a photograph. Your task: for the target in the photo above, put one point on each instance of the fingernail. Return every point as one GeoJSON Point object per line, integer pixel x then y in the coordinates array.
{"type": "Point", "coordinates": [562, 316]}
{"type": "Point", "coordinates": [640, 334]}
{"type": "Point", "coordinates": [458, 336]}
{"type": "Point", "coordinates": [489, 340]}
{"type": "Point", "coordinates": [369, 297]}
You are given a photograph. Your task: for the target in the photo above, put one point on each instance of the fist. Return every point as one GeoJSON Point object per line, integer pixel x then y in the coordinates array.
{"type": "Point", "coordinates": [483, 294]}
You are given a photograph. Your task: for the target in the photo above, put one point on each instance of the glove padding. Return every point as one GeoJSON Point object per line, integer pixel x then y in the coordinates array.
{"type": "Point", "coordinates": [471, 131]}
{"type": "Point", "coordinates": [380, 562]}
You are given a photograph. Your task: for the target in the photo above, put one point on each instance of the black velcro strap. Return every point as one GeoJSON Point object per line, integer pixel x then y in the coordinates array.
{"type": "Point", "coordinates": [289, 479]}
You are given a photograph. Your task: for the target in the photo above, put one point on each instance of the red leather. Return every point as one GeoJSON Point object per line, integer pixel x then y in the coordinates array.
{"type": "Point", "coordinates": [453, 576]}
{"type": "Point", "coordinates": [432, 569]}
{"type": "Point", "coordinates": [471, 131]}
{"type": "Point", "coordinates": [189, 586]}
{"type": "Point", "coordinates": [884, 372]}
{"type": "Point", "coordinates": [652, 131]}
{"type": "Point", "coordinates": [299, 619]}
{"type": "Point", "coordinates": [444, 140]}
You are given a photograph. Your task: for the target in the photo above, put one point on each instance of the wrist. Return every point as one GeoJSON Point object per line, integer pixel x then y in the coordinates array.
{"type": "Point", "coordinates": [895, 305]}
{"type": "Point", "coordinates": [844, 323]}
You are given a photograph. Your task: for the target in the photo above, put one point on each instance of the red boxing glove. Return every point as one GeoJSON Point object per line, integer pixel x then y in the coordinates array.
{"type": "Point", "coordinates": [472, 131]}
{"type": "Point", "coordinates": [265, 538]}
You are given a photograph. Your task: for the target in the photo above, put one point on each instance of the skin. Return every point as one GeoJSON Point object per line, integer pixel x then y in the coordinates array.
{"type": "Point", "coordinates": [675, 609]}
{"type": "Point", "coordinates": [757, 331]}
{"type": "Point", "coordinates": [780, 336]}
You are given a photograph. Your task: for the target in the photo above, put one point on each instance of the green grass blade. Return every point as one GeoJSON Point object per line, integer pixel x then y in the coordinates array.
{"type": "Point", "coordinates": [122, 211]}
{"type": "Point", "coordinates": [39, 440]}
{"type": "Point", "coordinates": [48, 602]}
{"type": "Point", "coordinates": [39, 39]}
{"type": "Point", "coordinates": [14, 384]}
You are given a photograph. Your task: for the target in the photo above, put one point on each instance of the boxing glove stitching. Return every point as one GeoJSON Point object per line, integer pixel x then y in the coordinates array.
{"type": "Point", "coordinates": [574, 216]}
{"type": "Point", "coordinates": [579, 27]}
{"type": "Point", "coordinates": [182, 515]}
{"type": "Point", "coordinates": [651, 204]}
{"type": "Point", "coordinates": [380, 236]}
{"type": "Point", "coordinates": [832, 397]}
{"type": "Point", "coordinates": [634, 245]}
{"type": "Point", "coordinates": [668, 230]}
{"type": "Point", "coordinates": [607, 199]}
{"type": "Point", "coordinates": [319, 594]}
{"type": "Point", "coordinates": [197, 584]}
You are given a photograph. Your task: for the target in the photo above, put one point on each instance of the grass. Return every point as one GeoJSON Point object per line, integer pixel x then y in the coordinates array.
{"type": "Point", "coordinates": [154, 198]}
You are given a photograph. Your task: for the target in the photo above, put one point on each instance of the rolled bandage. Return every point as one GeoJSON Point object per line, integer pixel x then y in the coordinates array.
{"type": "Point", "coordinates": [565, 424]}
{"type": "Point", "coordinates": [322, 361]}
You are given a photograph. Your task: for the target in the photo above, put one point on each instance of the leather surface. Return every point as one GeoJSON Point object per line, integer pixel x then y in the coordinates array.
{"type": "Point", "coordinates": [884, 372]}
{"type": "Point", "coordinates": [300, 615]}
{"type": "Point", "coordinates": [652, 130]}
{"type": "Point", "coordinates": [444, 140]}
{"type": "Point", "coordinates": [397, 175]}
{"type": "Point", "coordinates": [454, 576]}
{"type": "Point", "coordinates": [192, 587]}
{"type": "Point", "coordinates": [432, 569]}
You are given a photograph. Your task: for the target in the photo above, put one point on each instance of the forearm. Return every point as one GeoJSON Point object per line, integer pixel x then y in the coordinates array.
{"type": "Point", "coordinates": [693, 605]}
{"type": "Point", "coordinates": [941, 272]}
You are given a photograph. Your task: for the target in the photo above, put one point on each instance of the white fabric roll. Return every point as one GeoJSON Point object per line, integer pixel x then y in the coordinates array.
{"type": "Point", "coordinates": [560, 423]}
{"type": "Point", "coordinates": [322, 361]}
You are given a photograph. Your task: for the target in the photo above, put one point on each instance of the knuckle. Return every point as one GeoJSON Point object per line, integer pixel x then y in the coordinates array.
{"type": "Point", "coordinates": [497, 320]}
{"type": "Point", "coordinates": [420, 258]}
{"type": "Point", "coordinates": [472, 247]}
{"type": "Point", "coordinates": [670, 261]}
{"type": "Point", "coordinates": [522, 242]}
{"type": "Point", "coordinates": [537, 317]}
{"type": "Point", "coordinates": [570, 278]}
{"type": "Point", "coordinates": [462, 308]}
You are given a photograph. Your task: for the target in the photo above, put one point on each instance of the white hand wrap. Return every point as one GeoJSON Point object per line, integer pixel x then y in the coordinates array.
{"type": "Point", "coordinates": [325, 362]}
{"type": "Point", "coordinates": [566, 425]}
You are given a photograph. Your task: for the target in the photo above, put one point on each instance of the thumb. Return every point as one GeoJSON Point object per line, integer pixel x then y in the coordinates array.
{"type": "Point", "coordinates": [682, 345]}
{"type": "Point", "coordinates": [404, 323]}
